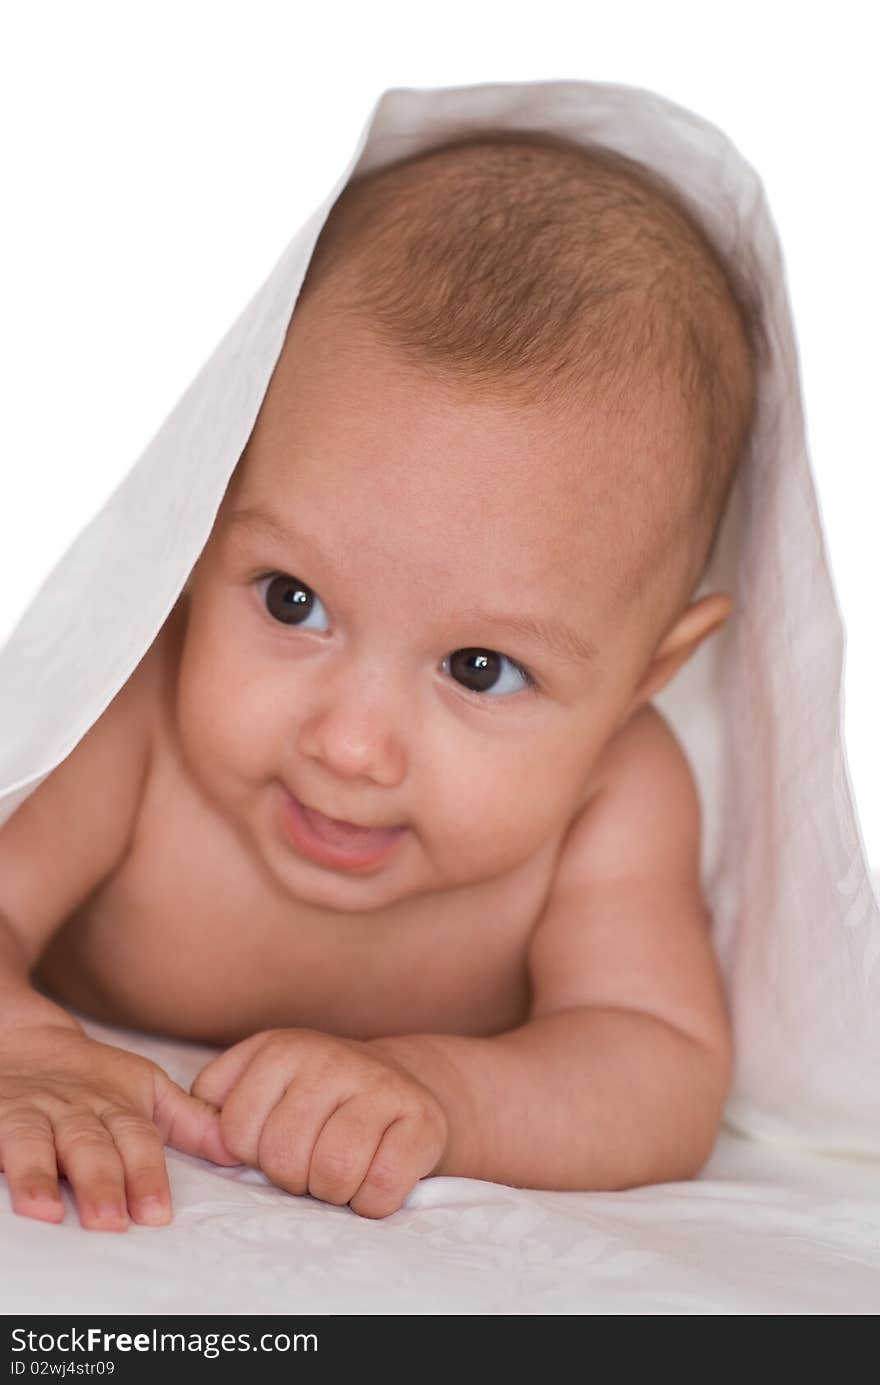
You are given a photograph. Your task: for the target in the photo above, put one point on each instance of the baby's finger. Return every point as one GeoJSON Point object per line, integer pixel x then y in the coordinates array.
{"type": "Point", "coordinates": [186, 1122]}
{"type": "Point", "coordinates": [27, 1155]}
{"type": "Point", "coordinates": [140, 1146]}
{"type": "Point", "coordinates": [217, 1078]}
{"type": "Point", "coordinates": [93, 1166]}
{"type": "Point", "coordinates": [399, 1162]}
{"type": "Point", "coordinates": [346, 1148]}
{"type": "Point", "coordinates": [263, 1089]}
{"type": "Point", "coordinates": [290, 1132]}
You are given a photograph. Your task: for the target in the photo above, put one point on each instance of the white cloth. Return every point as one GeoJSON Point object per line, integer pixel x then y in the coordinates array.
{"type": "Point", "coordinates": [758, 710]}
{"type": "Point", "coordinates": [764, 1230]}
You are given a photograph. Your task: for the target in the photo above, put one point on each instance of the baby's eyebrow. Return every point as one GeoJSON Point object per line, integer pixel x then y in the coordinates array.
{"type": "Point", "coordinates": [255, 518]}
{"type": "Point", "coordinates": [558, 639]}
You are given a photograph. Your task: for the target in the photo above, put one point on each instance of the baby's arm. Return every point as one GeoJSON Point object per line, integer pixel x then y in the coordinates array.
{"type": "Point", "coordinates": [69, 1104]}
{"type": "Point", "coordinates": [620, 1075]}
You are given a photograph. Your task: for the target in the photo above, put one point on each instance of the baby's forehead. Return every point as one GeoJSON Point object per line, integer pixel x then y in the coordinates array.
{"type": "Point", "coordinates": [437, 556]}
{"type": "Point", "coordinates": [374, 452]}
{"type": "Point", "coordinates": [346, 412]}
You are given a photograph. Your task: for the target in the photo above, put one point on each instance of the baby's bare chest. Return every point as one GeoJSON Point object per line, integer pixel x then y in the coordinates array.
{"type": "Point", "coordinates": [188, 938]}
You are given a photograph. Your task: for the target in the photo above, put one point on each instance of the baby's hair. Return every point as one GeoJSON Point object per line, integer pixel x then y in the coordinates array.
{"type": "Point", "coordinates": [532, 267]}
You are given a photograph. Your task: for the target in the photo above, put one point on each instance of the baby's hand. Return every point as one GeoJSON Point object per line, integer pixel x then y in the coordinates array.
{"type": "Point", "coordinates": [326, 1116]}
{"type": "Point", "coordinates": [97, 1114]}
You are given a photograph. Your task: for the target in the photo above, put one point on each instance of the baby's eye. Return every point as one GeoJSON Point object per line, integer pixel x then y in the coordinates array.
{"type": "Point", "coordinates": [480, 670]}
{"type": "Point", "coordinates": [291, 602]}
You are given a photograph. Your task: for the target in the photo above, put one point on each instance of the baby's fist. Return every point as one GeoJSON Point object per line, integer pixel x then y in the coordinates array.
{"type": "Point", "coordinates": [327, 1116]}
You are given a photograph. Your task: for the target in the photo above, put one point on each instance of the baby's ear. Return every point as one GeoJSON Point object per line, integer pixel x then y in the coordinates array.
{"type": "Point", "coordinates": [701, 619]}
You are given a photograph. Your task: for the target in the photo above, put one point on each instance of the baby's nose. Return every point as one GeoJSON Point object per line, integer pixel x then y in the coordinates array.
{"type": "Point", "coordinates": [355, 734]}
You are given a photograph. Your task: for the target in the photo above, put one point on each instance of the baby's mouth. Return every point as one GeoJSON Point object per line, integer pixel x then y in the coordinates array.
{"type": "Point", "coordinates": [334, 841]}
{"type": "Point", "coordinates": [341, 827]}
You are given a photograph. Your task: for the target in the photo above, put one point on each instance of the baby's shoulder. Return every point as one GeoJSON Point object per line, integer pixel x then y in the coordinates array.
{"type": "Point", "coordinates": [644, 811]}
{"type": "Point", "coordinates": [644, 744]}
{"type": "Point", "coordinates": [74, 829]}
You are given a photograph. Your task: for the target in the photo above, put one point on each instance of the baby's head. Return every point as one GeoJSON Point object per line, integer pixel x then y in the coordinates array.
{"type": "Point", "coordinates": [460, 547]}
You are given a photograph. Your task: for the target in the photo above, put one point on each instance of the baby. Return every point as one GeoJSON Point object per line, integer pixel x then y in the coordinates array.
{"type": "Point", "coordinates": [386, 811]}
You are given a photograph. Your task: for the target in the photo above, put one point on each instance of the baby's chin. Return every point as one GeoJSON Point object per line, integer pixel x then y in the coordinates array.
{"type": "Point", "coordinates": [333, 893]}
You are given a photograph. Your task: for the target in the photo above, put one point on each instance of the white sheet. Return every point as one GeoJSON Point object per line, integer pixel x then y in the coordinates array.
{"type": "Point", "coordinates": [766, 1229]}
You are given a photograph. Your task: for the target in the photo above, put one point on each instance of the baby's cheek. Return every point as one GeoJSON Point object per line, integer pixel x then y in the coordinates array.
{"type": "Point", "coordinates": [500, 816]}
{"type": "Point", "coordinates": [214, 721]}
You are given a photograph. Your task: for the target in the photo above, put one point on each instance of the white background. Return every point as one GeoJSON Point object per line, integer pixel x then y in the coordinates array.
{"type": "Point", "coordinates": [157, 158]}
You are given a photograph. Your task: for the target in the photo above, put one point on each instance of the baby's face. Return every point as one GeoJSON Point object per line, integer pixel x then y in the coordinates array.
{"type": "Point", "coordinates": [406, 616]}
